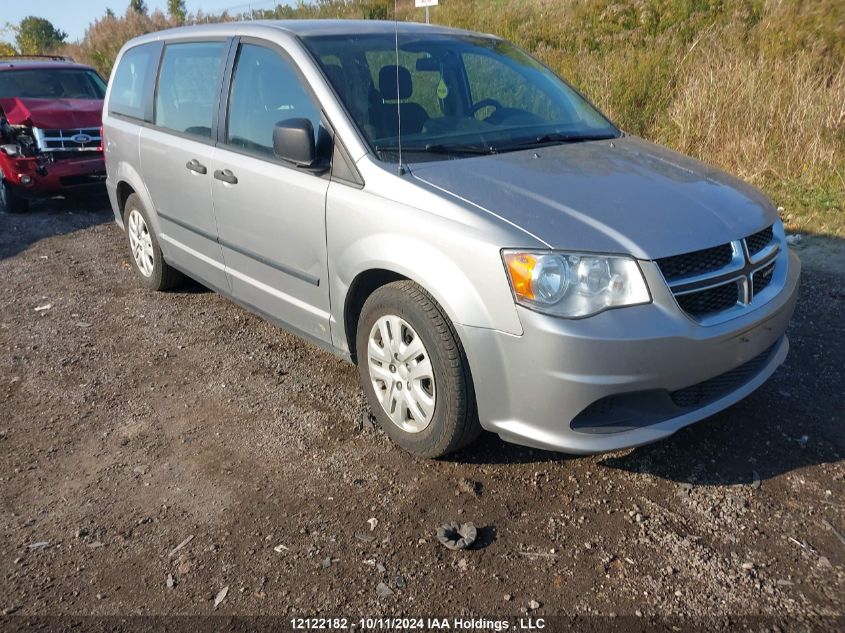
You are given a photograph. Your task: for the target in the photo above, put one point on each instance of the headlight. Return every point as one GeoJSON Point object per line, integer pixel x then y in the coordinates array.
{"type": "Point", "coordinates": [572, 285]}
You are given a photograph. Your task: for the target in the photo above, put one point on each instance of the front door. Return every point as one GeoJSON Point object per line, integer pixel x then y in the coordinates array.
{"type": "Point", "coordinates": [270, 214]}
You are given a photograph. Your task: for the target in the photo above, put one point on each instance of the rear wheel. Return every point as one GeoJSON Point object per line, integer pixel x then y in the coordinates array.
{"type": "Point", "coordinates": [414, 371]}
{"type": "Point", "coordinates": [154, 272]}
{"type": "Point", "coordinates": [11, 202]}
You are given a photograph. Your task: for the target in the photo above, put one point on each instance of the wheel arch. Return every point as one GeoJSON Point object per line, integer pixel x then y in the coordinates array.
{"type": "Point", "coordinates": [129, 181]}
{"type": "Point", "coordinates": [363, 285]}
{"type": "Point", "coordinates": [123, 191]}
{"type": "Point", "coordinates": [461, 300]}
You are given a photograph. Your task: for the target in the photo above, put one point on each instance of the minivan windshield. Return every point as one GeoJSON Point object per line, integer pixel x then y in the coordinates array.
{"type": "Point", "coordinates": [455, 95]}
{"type": "Point", "coordinates": [51, 83]}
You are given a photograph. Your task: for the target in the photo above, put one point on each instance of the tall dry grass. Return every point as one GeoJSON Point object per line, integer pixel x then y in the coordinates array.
{"type": "Point", "coordinates": [756, 87]}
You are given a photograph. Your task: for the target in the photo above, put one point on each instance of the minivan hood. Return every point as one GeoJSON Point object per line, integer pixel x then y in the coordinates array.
{"type": "Point", "coordinates": [53, 113]}
{"type": "Point", "coordinates": [621, 196]}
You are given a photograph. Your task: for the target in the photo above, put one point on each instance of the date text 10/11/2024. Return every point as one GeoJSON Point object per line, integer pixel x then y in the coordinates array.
{"type": "Point", "coordinates": [423, 624]}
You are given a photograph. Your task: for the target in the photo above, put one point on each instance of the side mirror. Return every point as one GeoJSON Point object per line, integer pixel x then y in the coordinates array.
{"type": "Point", "coordinates": [293, 141]}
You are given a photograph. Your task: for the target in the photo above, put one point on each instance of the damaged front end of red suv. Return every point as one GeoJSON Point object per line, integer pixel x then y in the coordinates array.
{"type": "Point", "coordinates": [48, 146]}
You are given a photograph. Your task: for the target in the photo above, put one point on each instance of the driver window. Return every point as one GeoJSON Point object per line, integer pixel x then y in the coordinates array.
{"type": "Point", "coordinates": [488, 78]}
{"type": "Point", "coordinates": [266, 89]}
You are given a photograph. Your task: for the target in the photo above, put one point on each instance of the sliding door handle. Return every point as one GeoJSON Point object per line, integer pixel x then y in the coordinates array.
{"type": "Point", "coordinates": [195, 165]}
{"type": "Point", "coordinates": [226, 175]}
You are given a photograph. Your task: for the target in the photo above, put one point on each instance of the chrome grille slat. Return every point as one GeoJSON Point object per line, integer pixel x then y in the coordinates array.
{"type": "Point", "coordinates": [715, 282]}
{"type": "Point", "coordinates": [707, 301]}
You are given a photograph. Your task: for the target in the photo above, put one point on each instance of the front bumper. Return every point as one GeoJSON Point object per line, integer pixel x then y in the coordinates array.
{"type": "Point", "coordinates": [537, 389]}
{"type": "Point", "coordinates": [52, 178]}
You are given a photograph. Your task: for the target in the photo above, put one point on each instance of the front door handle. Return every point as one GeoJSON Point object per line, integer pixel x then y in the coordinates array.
{"type": "Point", "coordinates": [195, 165]}
{"type": "Point", "coordinates": [226, 175]}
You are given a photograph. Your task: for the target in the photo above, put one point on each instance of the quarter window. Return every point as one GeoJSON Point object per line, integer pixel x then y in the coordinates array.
{"type": "Point", "coordinates": [188, 85]}
{"type": "Point", "coordinates": [266, 89]}
{"type": "Point", "coordinates": [127, 92]}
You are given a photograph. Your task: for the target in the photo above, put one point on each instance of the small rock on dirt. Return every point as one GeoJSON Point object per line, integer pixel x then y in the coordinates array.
{"type": "Point", "coordinates": [176, 549]}
{"type": "Point", "coordinates": [221, 596]}
{"type": "Point", "coordinates": [383, 590]}
{"type": "Point", "coordinates": [534, 605]}
{"type": "Point", "coordinates": [170, 582]}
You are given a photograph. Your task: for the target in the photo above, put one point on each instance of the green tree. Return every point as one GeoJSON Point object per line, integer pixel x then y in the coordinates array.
{"type": "Point", "coordinates": [109, 13]}
{"type": "Point", "coordinates": [36, 36]}
{"type": "Point", "coordinates": [177, 11]}
{"type": "Point", "coordinates": [138, 6]}
{"type": "Point", "coordinates": [7, 49]}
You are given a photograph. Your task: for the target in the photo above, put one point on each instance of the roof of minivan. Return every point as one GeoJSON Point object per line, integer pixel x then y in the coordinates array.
{"type": "Point", "coordinates": [305, 28]}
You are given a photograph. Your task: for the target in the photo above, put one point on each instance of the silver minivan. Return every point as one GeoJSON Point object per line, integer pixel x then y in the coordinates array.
{"type": "Point", "coordinates": [439, 208]}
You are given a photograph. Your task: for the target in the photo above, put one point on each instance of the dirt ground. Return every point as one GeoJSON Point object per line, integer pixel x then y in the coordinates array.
{"type": "Point", "coordinates": [133, 421]}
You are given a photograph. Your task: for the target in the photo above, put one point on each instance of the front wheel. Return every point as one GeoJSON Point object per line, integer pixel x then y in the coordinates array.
{"type": "Point", "coordinates": [414, 371]}
{"type": "Point", "coordinates": [10, 201]}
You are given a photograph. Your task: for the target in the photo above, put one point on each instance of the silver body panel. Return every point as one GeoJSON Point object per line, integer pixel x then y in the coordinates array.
{"type": "Point", "coordinates": [289, 245]}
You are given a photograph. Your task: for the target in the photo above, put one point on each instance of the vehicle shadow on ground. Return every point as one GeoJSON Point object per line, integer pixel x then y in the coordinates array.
{"type": "Point", "coordinates": [49, 218]}
{"type": "Point", "coordinates": [795, 420]}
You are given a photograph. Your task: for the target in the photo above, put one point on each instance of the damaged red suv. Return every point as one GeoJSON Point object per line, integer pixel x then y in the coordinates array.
{"type": "Point", "coordinates": [50, 130]}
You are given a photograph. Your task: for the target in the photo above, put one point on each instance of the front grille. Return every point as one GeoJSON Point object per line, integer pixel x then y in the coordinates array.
{"type": "Point", "coordinates": [68, 140]}
{"type": "Point", "coordinates": [710, 301]}
{"type": "Point", "coordinates": [713, 389]}
{"type": "Point", "coordinates": [711, 282]}
{"type": "Point", "coordinates": [762, 278]}
{"type": "Point", "coordinates": [696, 263]}
{"type": "Point", "coordinates": [760, 240]}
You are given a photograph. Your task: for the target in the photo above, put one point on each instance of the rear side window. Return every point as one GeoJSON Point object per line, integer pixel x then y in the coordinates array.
{"type": "Point", "coordinates": [266, 89]}
{"type": "Point", "coordinates": [188, 83]}
{"type": "Point", "coordinates": [127, 91]}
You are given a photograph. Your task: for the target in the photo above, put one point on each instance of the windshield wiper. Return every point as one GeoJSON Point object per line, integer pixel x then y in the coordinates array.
{"type": "Point", "coordinates": [551, 139]}
{"type": "Point", "coordinates": [440, 148]}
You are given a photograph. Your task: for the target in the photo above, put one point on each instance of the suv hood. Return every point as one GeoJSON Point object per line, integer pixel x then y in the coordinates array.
{"type": "Point", "coordinates": [53, 113]}
{"type": "Point", "coordinates": [621, 196]}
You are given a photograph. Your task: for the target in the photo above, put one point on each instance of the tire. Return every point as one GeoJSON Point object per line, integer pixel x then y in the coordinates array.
{"type": "Point", "coordinates": [10, 201]}
{"type": "Point", "coordinates": [148, 262]}
{"type": "Point", "coordinates": [433, 416]}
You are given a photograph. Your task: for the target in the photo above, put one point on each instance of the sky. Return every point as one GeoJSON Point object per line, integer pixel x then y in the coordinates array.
{"type": "Point", "coordinates": [73, 16]}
